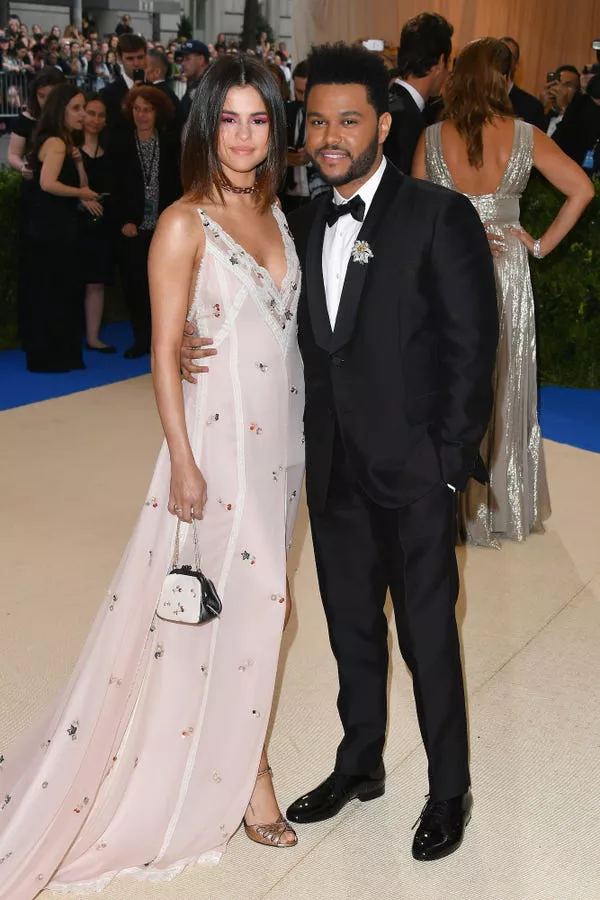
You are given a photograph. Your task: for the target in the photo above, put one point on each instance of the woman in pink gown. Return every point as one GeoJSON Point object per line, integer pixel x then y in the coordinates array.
{"type": "Point", "coordinates": [148, 761]}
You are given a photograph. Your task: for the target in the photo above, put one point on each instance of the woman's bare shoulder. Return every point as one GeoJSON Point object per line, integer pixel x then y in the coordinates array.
{"type": "Point", "coordinates": [182, 219]}
{"type": "Point", "coordinates": [53, 145]}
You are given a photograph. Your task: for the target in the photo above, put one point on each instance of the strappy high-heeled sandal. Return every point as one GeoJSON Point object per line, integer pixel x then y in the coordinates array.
{"type": "Point", "coordinates": [271, 835]}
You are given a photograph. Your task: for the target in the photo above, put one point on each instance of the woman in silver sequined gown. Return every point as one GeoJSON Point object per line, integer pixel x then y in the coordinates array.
{"type": "Point", "coordinates": [516, 500]}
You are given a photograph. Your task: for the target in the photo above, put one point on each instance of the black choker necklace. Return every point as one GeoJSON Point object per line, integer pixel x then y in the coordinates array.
{"type": "Point", "coordinates": [239, 190]}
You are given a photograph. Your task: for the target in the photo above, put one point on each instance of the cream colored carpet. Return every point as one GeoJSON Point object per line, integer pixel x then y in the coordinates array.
{"type": "Point", "coordinates": [73, 474]}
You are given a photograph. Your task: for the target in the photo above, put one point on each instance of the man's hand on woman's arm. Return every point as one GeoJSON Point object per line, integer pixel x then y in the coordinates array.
{"type": "Point", "coordinates": [194, 348]}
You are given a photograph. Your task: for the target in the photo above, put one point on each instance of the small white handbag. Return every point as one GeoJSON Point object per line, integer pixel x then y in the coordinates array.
{"type": "Point", "coordinates": [187, 595]}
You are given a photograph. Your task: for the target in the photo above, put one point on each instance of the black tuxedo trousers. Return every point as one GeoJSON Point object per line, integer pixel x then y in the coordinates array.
{"type": "Point", "coordinates": [361, 551]}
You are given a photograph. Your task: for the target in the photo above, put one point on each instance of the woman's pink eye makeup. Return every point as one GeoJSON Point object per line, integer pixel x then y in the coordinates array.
{"type": "Point", "coordinates": [228, 119]}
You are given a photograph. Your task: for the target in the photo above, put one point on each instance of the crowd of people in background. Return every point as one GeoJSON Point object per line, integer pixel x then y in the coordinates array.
{"type": "Point", "coordinates": [93, 59]}
{"type": "Point", "coordinates": [119, 163]}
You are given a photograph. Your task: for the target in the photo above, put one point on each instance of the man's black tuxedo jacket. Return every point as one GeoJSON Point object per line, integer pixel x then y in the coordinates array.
{"type": "Point", "coordinates": [579, 130]}
{"type": "Point", "coordinates": [528, 107]}
{"type": "Point", "coordinates": [292, 108]}
{"type": "Point", "coordinates": [407, 124]}
{"type": "Point", "coordinates": [178, 122]}
{"type": "Point", "coordinates": [113, 96]}
{"type": "Point", "coordinates": [407, 372]}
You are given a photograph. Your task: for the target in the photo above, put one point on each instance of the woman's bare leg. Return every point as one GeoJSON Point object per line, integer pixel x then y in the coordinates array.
{"type": "Point", "coordinates": [94, 307]}
{"type": "Point", "coordinates": [263, 807]}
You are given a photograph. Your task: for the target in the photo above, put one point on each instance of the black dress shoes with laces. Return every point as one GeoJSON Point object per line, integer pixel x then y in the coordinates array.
{"type": "Point", "coordinates": [442, 827]}
{"type": "Point", "coordinates": [334, 793]}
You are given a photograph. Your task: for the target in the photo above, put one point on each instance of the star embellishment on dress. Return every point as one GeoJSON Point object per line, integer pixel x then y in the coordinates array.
{"type": "Point", "coordinates": [361, 252]}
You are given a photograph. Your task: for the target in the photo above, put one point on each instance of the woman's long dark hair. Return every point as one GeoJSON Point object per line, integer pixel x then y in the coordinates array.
{"type": "Point", "coordinates": [201, 171]}
{"type": "Point", "coordinates": [477, 91]}
{"type": "Point", "coordinates": [47, 76]}
{"type": "Point", "coordinates": [52, 120]}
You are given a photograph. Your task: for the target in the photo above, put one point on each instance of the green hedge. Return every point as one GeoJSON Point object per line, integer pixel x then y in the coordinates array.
{"type": "Point", "coordinates": [566, 284]}
{"type": "Point", "coordinates": [566, 287]}
{"type": "Point", "coordinates": [10, 190]}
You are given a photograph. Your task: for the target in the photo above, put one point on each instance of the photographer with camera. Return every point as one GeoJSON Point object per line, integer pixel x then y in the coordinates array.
{"type": "Point", "coordinates": [588, 72]}
{"type": "Point", "coordinates": [578, 133]}
{"type": "Point", "coordinates": [561, 86]}
{"type": "Point", "coordinates": [131, 54]}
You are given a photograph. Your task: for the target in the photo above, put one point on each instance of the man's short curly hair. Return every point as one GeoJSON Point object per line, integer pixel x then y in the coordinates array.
{"type": "Point", "coordinates": [162, 105]}
{"type": "Point", "coordinates": [344, 64]}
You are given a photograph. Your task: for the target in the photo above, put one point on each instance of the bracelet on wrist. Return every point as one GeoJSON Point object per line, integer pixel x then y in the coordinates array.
{"type": "Point", "coordinates": [537, 249]}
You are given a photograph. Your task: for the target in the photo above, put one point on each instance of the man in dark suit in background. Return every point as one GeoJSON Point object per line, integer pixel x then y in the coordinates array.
{"type": "Point", "coordinates": [526, 106]}
{"type": "Point", "coordinates": [195, 60]}
{"type": "Point", "coordinates": [302, 182]}
{"type": "Point", "coordinates": [397, 325]}
{"type": "Point", "coordinates": [423, 57]}
{"type": "Point", "coordinates": [578, 133]}
{"type": "Point", "coordinates": [131, 54]}
{"type": "Point", "coordinates": [157, 66]}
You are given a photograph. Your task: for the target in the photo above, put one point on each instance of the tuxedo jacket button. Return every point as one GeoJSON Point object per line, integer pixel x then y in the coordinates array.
{"type": "Point", "coordinates": [337, 360]}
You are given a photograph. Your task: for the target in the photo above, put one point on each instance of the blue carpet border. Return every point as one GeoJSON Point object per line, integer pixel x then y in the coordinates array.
{"type": "Point", "coordinates": [567, 415]}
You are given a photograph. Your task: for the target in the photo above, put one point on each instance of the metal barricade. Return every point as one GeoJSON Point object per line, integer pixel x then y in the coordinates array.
{"type": "Point", "coordinates": [13, 93]}
{"type": "Point", "coordinates": [90, 84]}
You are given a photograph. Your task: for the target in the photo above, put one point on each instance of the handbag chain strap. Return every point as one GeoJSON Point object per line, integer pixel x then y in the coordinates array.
{"type": "Point", "coordinates": [175, 562]}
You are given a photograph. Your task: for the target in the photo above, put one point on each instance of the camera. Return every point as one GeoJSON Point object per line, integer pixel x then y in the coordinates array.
{"type": "Point", "coordinates": [551, 77]}
{"type": "Point", "coordinates": [375, 46]}
{"type": "Point", "coordinates": [139, 75]}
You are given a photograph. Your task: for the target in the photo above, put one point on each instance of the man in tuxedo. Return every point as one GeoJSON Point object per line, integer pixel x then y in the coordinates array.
{"type": "Point", "coordinates": [578, 133]}
{"type": "Point", "coordinates": [526, 106]}
{"type": "Point", "coordinates": [397, 324]}
{"type": "Point", "coordinates": [558, 94]}
{"type": "Point", "coordinates": [131, 54]}
{"type": "Point", "coordinates": [423, 57]}
{"type": "Point", "coordinates": [157, 66]}
{"type": "Point", "coordinates": [302, 181]}
{"type": "Point", "coordinates": [296, 190]}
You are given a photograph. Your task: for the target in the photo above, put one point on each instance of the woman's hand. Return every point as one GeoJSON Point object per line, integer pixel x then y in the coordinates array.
{"type": "Point", "coordinates": [524, 237]}
{"type": "Point", "coordinates": [86, 193]}
{"type": "Point", "coordinates": [94, 207]}
{"type": "Point", "coordinates": [129, 230]}
{"type": "Point", "coordinates": [76, 155]}
{"type": "Point", "coordinates": [187, 497]}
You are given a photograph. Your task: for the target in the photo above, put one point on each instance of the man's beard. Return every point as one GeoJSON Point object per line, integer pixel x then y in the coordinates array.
{"type": "Point", "coordinates": [360, 165]}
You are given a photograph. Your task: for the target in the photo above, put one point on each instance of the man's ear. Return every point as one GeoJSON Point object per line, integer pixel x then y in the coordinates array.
{"type": "Point", "coordinates": [383, 126]}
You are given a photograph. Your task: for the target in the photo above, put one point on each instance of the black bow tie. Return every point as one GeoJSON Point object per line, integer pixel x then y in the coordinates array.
{"type": "Point", "coordinates": [356, 208]}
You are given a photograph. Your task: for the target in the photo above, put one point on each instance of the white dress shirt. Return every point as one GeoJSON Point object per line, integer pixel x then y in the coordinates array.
{"type": "Point", "coordinates": [339, 240]}
{"type": "Point", "coordinates": [413, 93]}
{"type": "Point", "coordinates": [554, 123]}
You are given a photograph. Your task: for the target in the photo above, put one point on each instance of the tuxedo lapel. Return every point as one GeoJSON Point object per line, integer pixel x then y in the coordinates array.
{"type": "Point", "coordinates": [313, 276]}
{"type": "Point", "coordinates": [357, 272]}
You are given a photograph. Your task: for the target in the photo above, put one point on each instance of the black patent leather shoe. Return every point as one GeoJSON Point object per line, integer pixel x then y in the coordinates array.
{"type": "Point", "coordinates": [442, 827]}
{"type": "Point", "coordinates": [334, 793]}
{"type": "Point", "coordinates": [136, 352]}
